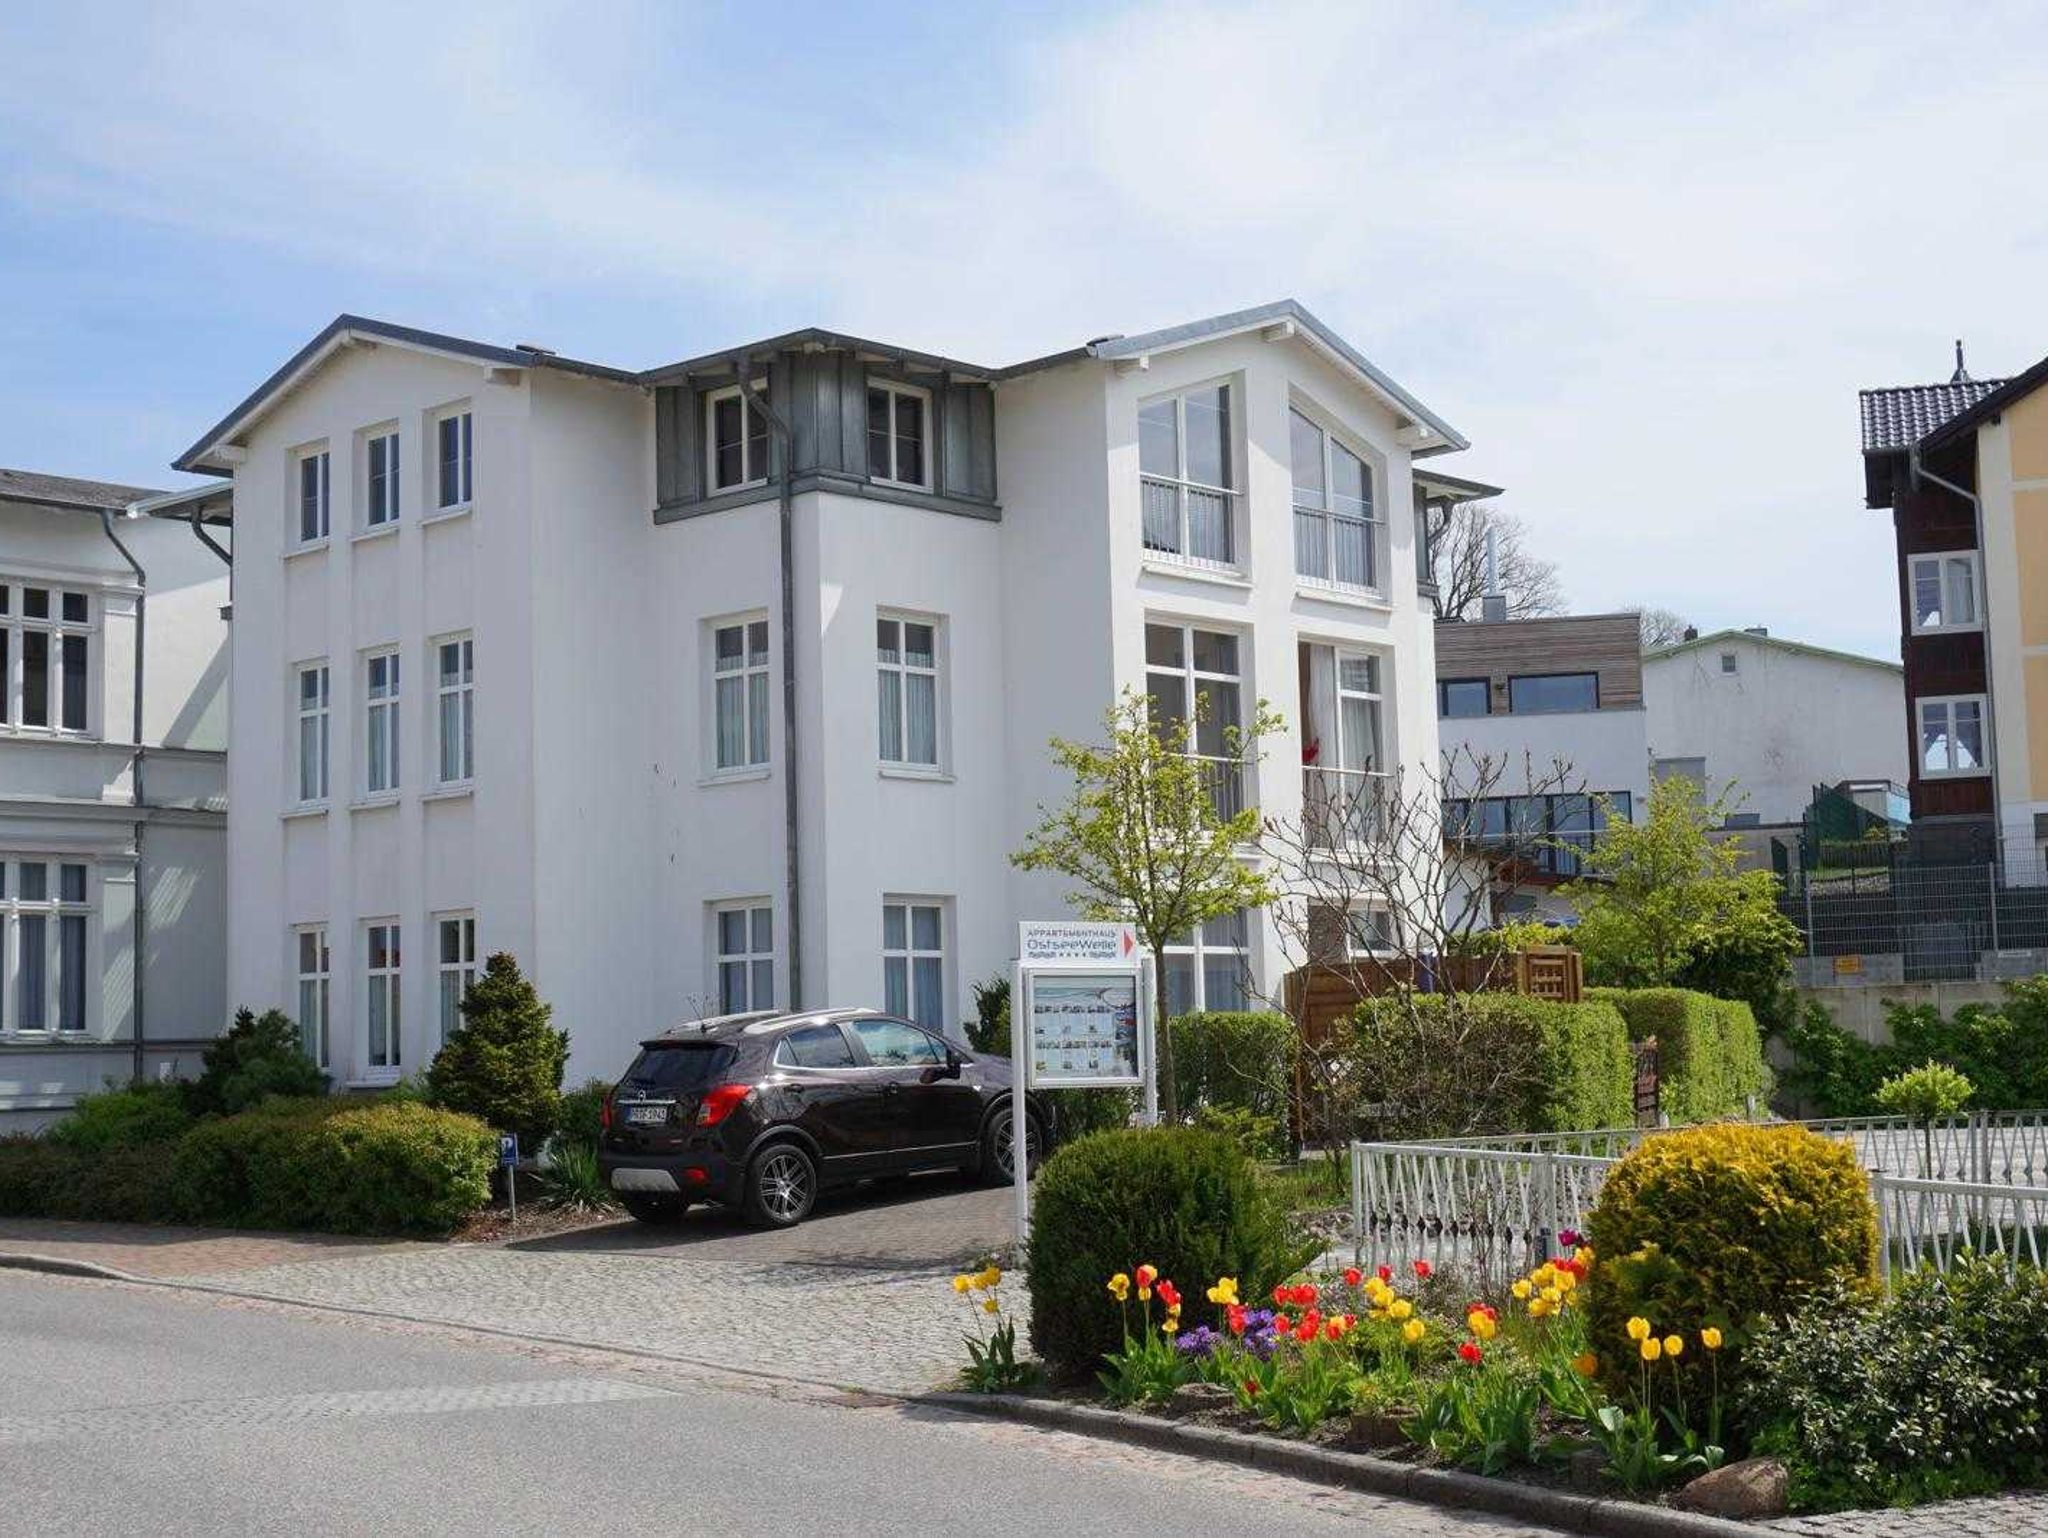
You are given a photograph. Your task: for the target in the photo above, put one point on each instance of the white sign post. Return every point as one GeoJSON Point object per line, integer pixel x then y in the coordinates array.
{"type": "Point", "coordinates": [1081, 1013]}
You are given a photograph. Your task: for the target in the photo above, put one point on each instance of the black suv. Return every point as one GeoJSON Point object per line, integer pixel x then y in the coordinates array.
{"type": "Point", "coordinates": [761, 1111]}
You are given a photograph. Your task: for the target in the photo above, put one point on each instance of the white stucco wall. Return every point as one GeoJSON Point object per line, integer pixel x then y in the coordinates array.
{"type": "Point", "coordinates": [1785, 721]}
{"type": "Point", "coordinates": [1602, 750]}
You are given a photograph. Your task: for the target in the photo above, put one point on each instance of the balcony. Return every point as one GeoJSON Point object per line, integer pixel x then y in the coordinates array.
{"type": "Point", "coordinates": [1188, 522]}
{"type": "Point", "coordinates": [1344, 808]}
{"type": "Point", "coordinates": [1224, 779]}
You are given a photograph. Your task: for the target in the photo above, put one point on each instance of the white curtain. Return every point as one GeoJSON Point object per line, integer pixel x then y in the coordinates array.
{"type": "Point", "coordinates": [1322, 704]}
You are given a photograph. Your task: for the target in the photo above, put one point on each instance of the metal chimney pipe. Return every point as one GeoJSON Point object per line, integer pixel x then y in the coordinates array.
{"type": "Point", "coordinates": [1493, 604]}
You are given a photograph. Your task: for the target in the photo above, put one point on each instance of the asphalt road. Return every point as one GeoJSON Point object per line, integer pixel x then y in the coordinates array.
{"type": "Point", "coordinates": [126, 1410]}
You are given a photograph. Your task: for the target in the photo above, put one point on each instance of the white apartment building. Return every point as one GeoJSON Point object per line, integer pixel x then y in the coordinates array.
{"type": "Point", "coordinates": [113, 737]}
{"type": "Point", "coordinates": [728, 683]}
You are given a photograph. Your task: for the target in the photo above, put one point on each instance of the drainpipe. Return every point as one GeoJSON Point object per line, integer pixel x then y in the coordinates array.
{"type": "Point", "coordinates": [1922, 473]}
{"type": "Point", "coordinates": [786, 553]}
{"type": "Point", "coordinates": [135, 796]}
{"type": "Point", "coordinates": [206, 539]}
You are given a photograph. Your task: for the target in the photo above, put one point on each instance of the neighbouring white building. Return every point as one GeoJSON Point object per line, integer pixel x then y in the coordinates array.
{"type": "Point", "coordinates": [113, 841]}
{"type": "Point", "coordinates": [1544, 738]}
{"type": "Point", "coordinates": [1778, 718]}
{"type": "Point", "coordinates": [526, 649]}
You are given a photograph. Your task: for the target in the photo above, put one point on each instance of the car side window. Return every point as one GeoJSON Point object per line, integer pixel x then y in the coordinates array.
{"type": "Point", "coordinates": [816, 1046]}
{"type": "Point", "coordinates": [893, 1044]}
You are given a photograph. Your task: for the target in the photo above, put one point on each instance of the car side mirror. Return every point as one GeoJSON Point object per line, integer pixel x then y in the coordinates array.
{"type": "Point", "coordinates": [950, 1071]}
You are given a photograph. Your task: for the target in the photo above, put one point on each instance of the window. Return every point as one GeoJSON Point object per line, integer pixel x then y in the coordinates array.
{"type": "Point", "coordinates": [44, 910]}
{"type": "Point", "coordinates": [455, 709]}
{"type": "Point", "coordinates": [1730, 663]}
{"type": "Point", "coordinates": [745, 938]}
{"type": "Point", "coordinates": [314, 979]}
{"type": "Point", "coordinates": [381, 994]}
{"type": "Point", "coordinates": [1425, 568]}
{"type": "Point", "coordinates": [454, 966]}
{"type": "Point", "coordinates": [736, 437]}
{"type": "Point", "coordinates": [906, 655]}
{"type": "Point", "coordinates": [896, 434]}
{"type": "Point", "coordinates": [1336, 534]}
{"type": "Point", "coordinates": [1549, 833]}
{"type": "Point", "coordinates": [914, 962]}
{"type": "Point", "coordinates": [739, 674]}
{"type": "Point", "coordinates": [1337, 932]}
{"type": "Point", "coordinates": [452, 460]}
{"type": "Point", "coordinates": [313, 485]}
{"type": "Point", "coordinates": [1952, 736]}
{"type": "Point", "coordinates": [1945, 591]}
{"type": "Point", "coordinates": [380, 722]}
{"type": "Point", "coordinates": [815, 1046]}
{"type": "Point", "coordinates": [313, 733]}
{"type": "Point", "coordinates": [45, 652]}
{"type": "Point", "coordinates": [1210, 968]}
{"type": "Point", "coordinates": [1459, 699]}
{"type": "Point", "coordinates": [1536, 694]}
{"type": "Point", "coordinates": [380, 480]}
{"type": "Point", "coordinates": [1193, 674]}
{"type": "Point", "coordinates": [892, 1044]}
{"type": "Point", "coordinates": [1184, 454]}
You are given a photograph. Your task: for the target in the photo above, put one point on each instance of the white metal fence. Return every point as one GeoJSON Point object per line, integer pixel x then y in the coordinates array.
{"type": "Point", "coordinates": [1494, 1207]}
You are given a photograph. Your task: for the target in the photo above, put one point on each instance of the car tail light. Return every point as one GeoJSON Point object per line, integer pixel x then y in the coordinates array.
{"type": "Point", "coordinates": [720, 1101]}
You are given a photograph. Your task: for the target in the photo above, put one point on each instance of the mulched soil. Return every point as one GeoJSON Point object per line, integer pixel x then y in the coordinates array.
{"type": "Point", "coordinates": [494, 1224]}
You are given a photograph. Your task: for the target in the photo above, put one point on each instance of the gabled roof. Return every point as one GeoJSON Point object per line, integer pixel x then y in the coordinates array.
{"type": "Point", "coordinates": [1895, 419]}
{"type": "Point", "coordinates": [345, 330]}
{"type": "Point", "coordinates": [1799, 648]}
{"type": "Point", "coordinates": [1988, 405]}
{"type": "Point", "coordinates": [817, 339]}
{"type": "Point", "coordinates": [1288, 313]}
{"type": "Point", "coordinates": [66, 493]}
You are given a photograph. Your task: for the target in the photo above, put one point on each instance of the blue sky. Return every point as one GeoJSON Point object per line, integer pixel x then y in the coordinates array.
{"type": "Point", "coordinates": [1642, 255]}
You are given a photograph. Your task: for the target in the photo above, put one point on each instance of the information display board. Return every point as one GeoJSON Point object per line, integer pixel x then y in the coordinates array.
{"type": "Point", "coordinates": [1084, 1030]}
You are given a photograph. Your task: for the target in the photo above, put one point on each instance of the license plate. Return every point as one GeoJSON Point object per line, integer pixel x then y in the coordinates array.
{"type": "Point", "coordinates": [647, 1115]}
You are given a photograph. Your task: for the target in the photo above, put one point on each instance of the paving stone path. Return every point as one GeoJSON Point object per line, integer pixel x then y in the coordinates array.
{"type": "Point", "coordinates": [1998, 1516]}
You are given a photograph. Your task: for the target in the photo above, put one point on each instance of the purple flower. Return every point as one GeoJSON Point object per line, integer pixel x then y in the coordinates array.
{"type": "Point", "coordinates": [1568, 1237]}
{"type": "Point", "coordinates": [1200, 1341]}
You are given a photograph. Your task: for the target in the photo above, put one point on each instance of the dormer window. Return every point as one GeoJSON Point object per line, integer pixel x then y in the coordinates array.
{"type": "Point", "coordinates": [738, 440]}
{"type": "Point", "coordinates": [896, 435]}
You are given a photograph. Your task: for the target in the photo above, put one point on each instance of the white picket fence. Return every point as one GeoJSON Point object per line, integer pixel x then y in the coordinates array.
{"type": "Point", "coordinates": [1494, 1207]}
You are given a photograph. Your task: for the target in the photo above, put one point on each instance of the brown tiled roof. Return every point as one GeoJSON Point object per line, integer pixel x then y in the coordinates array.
{"type": "Point", "coordinates": [66, 491]}
{"type": "Point", "coordinates": [1896, 419]}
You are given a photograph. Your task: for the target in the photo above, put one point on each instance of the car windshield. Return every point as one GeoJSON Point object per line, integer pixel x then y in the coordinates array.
{"type": "Point", "coordinates": [685, 1065]}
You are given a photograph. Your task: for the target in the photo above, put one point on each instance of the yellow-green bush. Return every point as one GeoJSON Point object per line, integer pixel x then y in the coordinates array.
{"type": "Point", "coordinates": [1725, 1225]}
{"type": "Point", "coordinates": [1710, 1056]}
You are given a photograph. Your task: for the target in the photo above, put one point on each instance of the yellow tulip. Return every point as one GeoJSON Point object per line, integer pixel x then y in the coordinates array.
{"type": "Point", "coordinates": [1169, 1325]}
{"type": "Point", "coordinates": [1710, 1337]}
{"type": "Point", "coordinates": [1674, 1345]}
{"type": "Point", "coordinates": [1119, 1286]}
{"type": "Point", "coordinates": [1652, 1348]}
{"type": "Point", "coordinates": [1225, 1290]}
{"type": "Point", "coordinates": [991, 1306]}
{"type": "Point", "coordinates": [1144, 1294]}
{"type": "Point", "coordinates": [1639, 1328]}
{"type": "Point", "coordinates": [1400, 1308]}
{"type": "Point", "coordinates": [1482, 1325]}
{"type": "Point", "coordinates": [1553, 1295]}
{"type": "Point", "coordinates": [1412, 1331]}
{"type": "Point", "coordinates": [1565, 1281]}
{"type": "Point", "coordinates": [962, 1283]}
{"type": "Point", "coordinates": [992, 1277]}
{"type": "Point", "coordinates": [1541, 1306]}
{"type": "Point", "coordinates": [1521, 1289]}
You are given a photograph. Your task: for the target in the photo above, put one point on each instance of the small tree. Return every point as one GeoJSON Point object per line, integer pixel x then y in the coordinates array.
{"type": "Point", "coordinates": [1925, 1095]}
{"type": "Point", "coordinates": [260, 1056]}
{"type": "Point", "coordinates": [1661, 627]}
{"type": "Point", "coordinates": [1457, 564]}
{"type": "Point", "coordinates": [504, 1063]}
{"type": "Point", "coordinates": [1144, 839]}
{"type": "Point", "coordinates": [1661, 893]}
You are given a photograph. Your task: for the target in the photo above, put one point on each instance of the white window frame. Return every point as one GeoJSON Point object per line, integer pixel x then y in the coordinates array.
{"type": "Point", "coordinates": [453, 976]}
{"type": "Point", "coordinates": [1330, 436]}
{"type": "Point", "coordinates": [323, 498]}
{"type": "Point", "coordinates": [54, 912]}
{"type": "Point", "coordinates": [749, 960]}
{"type": "Point", "coordinates": [1947, 704]}
{"type": "Point", "coordinates": [465, 464]}
{"type": "Point", "coordinates": [910, 953]}
{"type": "Point", "coordinates": [387, 983]}
{"type": "Point", "coordinates": [756, 705]}
{"type": "Point", "coordinates": [382, 774]}
{"type": "Point", "coordinates": [1237, 773]}
{"type": "Point", "coordinates": [314, 1000]}
{"type": "Point", "coordinates": [383, 496]}
{"type": "Point", "coordinates": [16, 626]}
{"type": "Point", "coordinates": [1200, 950]}
{"type": "Point", "coordinates": [748, 476]}
{"type": "Point", "coordinates": [317, 721]}
{"type": "Point", "coordinates": [903, 670]}
{"type": "Point", "coordinates": [1939, 560]}
{"type": "Point", "coordinates": [455, 710]}
{"type": "Point", "coordinates": [894, 389]}
{"type": "Point", "coordinates": [1233, 558]}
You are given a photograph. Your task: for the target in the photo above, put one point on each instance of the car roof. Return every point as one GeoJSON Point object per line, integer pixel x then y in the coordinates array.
{"type": "Point", "coordinates": [757, 1022]}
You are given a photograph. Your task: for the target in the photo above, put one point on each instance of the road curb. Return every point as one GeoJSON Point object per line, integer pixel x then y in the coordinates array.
{"type": "Point", "coordinates": [58, 1265]}
{"type": "Point", "coordinates": [1356, 1471]}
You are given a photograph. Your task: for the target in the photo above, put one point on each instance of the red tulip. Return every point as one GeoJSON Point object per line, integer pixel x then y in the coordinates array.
{"type": "Point", "coordinates": [1422, 1270]}
{"type": "Point", "coordinates": [1470, 1352]}
{"type": "Point", "coordinates": [1353, 1276]}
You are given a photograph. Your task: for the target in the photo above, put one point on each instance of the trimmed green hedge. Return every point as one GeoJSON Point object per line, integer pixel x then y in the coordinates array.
{"type": "Point", "coordinates": [1710, 1055]}
{"type": "Point", "coordinates": [1441, 1065]}
{"type": "Point", "coordinates": [338, 1166]}
{"type": "Point", "coordinates": [1232, 1070]}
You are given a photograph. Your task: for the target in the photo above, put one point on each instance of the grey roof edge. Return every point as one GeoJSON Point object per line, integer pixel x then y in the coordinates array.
{"type": "Point", "coordinates": [821, 337]}
{"type": "Point", "coordinates": [69, 494]}
{"type": "Point", "coordinates": [2016, 388]}
{"type": "Point", "coordinates": [180, 505]}
{"type": "Point", "coordinates": [1190, 332]}
{"type": "Point", "coordinates": [1804, 648]}
{"type": "Point", "coordinates": [1475, 491]}
{"type": "Point", "coordinates": [344, 325]}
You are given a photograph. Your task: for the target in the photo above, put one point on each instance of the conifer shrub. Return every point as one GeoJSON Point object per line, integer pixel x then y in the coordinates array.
{"type": "Point", "coordinates": [504, 1063]}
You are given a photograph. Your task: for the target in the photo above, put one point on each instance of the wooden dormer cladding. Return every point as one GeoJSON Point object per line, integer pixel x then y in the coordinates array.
{"type": "Point", "coordinates": [1607, 644]}
{"type": "Point", "coordinates": [822, 393]}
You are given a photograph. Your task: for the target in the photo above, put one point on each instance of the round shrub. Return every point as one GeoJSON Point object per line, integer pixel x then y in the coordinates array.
{"type": "Point", "coordinates": [1725, 1225]}
{"type": "Point", "coordinates": [1187, 1201]}
{"type": "Point", "coordinates": [135, 1117]}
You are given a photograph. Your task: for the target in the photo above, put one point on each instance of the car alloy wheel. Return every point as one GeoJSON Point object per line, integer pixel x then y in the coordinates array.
{"type": "Point", "coordinates": [1004, 1142]}
{"type": "Point", "coordinates": [783, 1185]}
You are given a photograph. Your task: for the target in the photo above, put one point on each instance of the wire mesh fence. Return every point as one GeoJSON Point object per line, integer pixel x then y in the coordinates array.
{"type": "Point", "coordinates": [1943, 922]}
